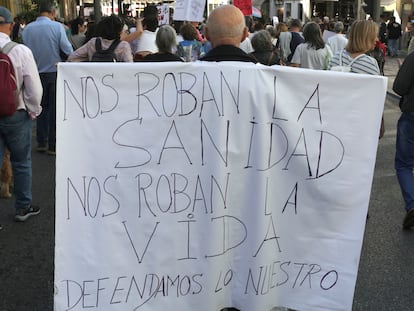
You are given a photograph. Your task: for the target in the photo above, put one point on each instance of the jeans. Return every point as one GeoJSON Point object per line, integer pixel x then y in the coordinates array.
{"type": "Point", "coordinates": [46, 122]}
{"type": "Point", "coordinates": [16, 135]}
{"type": "Point", "coordinates": [404, 157]}
{"type": "Point", "coordinates": [393, 47]}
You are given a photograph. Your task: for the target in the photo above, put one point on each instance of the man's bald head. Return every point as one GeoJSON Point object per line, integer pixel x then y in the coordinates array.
{"type": "Point", "coordinates": [226, 25]}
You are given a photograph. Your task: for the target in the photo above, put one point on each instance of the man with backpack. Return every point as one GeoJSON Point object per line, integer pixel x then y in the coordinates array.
{"type": "Point", "coordinates": [48, 41]}
{"type": "Point", "coordinates": [18, 65]}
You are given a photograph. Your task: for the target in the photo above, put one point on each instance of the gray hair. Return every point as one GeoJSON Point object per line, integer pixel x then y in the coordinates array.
{"type": "Point", "coordinates": [262, 41]}
{"type": "Point", "coordinates": [165, 38]}
{"type": "Point", "coordinates": [339, 27]}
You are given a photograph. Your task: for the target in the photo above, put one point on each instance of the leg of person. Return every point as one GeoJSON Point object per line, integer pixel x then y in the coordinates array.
{"type": "Point", "coordinates": [19, 141]}
{"type": "Point", "coordinates": [52, 114]}
{"type": "Point", "coordinates": [42, 121]}
{"type": "Point", "coordinates": [2, 150]}
{"type": "Point", "coordinates": [404, 164]}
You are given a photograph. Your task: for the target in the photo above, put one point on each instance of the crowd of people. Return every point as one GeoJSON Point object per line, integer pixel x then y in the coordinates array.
{"type": "Point", "coordinates": [227, 35]}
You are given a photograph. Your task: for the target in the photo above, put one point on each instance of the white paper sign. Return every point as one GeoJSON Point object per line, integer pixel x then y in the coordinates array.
{"type": "Point", "coordinates": [163, 14]}
{"type": "Point", "coordinates": [189, 10]}
{"type": "Point", "coordinates": [201, 186]}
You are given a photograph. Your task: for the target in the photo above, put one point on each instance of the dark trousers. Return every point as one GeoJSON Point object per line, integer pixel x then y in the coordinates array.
{"type": "Point", "coordinates": [46, 121]}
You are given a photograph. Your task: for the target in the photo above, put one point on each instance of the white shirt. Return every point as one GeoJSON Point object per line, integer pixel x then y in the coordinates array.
{"type": "Point", "coordinates": [308, 57]}
{"type": "Point", "coordinates": [25, 69]}
{"type": "Point", "coordinates": [337, 43]}
{"type": "Point", "coordinates": [246, 46]}
{"type": "Point", "coordinates": [146, 42]}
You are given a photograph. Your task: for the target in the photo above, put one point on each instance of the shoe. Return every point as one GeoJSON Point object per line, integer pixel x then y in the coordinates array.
{"type": "Point", "coordinates": [51, 151]}
{"type": "Point", "coordinates": [23, 214]}
{"type": "Point", "coordinates": [409, 219]}
{"type": "Point", "coordinates": [41, 147]}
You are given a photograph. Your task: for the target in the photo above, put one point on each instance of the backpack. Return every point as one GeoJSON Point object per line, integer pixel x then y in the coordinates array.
{"type": "Point", "coordinates": [8, 84]}
{"type": "Point", "coordinates": [344, 68]}
{"type": "Point", "coordinates": [107, 55]}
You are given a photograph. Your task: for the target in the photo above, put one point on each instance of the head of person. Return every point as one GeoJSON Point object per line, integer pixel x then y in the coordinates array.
{"type": "Point", "coordinates": [6, 21]}
{"type": "Point", "coordinates": [77, 25]}
{"type": "Point", "coordinates": [271, 30]}
{"type": "Point", "coordinates": [188, 32]}
{"type": "Point", "coordinates": [46, 8]}
{"type": "Point", "coordinates": [281, 27]}
{"type": "Point", "coordinates": [295, 25]}
{"type": "Point", "coordinates": [150, 11]}
{"type": "Point", "coordinates": [339, 27]}
{"type": "Point", "coordinates": [313, 35]}
{"type": "Point", "coordinates": [150, 23]}
{"type": "Point", "coordinates": [226, 26]}
{"type": "Point", "coordinates": [165, 39]}
{"type": "Point", "coordinates": [362, 36]}
{"type": "Point", "coordinates": [109, 27]}
{"type": "Point", "coordinates": [262, 41]}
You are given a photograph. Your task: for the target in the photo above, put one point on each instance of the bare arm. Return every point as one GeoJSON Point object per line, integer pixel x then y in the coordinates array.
{"type": "Point", "coordinates": [135, 35]}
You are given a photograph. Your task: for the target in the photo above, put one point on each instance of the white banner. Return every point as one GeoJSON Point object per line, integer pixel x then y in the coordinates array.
{"type": "Point", "coordinates": [189, 10]}
{"type": "Point", "coordinates": [200, 186]}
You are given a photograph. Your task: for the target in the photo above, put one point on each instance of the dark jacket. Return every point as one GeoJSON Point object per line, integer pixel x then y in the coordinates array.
{"type": "Point", "coordinates": [162, 57]}
{"type": "Point", "coordinates": [404, 84]}
{"type": "Point", "coordinates": [227, 53]}
{"type": "Point", "coordinates": [268, 58]}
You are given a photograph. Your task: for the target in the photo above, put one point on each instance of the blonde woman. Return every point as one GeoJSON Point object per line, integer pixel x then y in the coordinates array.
{"type": "Point", "coordinates": [361, 39]}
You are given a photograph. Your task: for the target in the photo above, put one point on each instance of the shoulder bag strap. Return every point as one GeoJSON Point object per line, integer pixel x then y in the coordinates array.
{"type": "Point", "coordinates": [8, 47]}
{"type": "Point", "coordinates": [98, 44]}
{"type": "Point", "coordinates": [114, 44]}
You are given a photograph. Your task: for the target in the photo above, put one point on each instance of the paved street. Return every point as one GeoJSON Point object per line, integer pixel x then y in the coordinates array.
{"type": "Point", "coordinates": [386, 271]}
{"type": "Point", "coordinates": [384, 279]}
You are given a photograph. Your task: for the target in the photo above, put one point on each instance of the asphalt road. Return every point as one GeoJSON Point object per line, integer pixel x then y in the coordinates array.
{"type": "Point", "coordinates": [386, 268]}
{"type": "Point", "coordinates": [385, 274]}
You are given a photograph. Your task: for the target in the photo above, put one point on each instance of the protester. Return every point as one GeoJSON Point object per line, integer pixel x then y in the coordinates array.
{"type": "Point", "coordinates": [189, 49]}
{"type": "Point", "coordinates": [107, 30]}
{"type": "Point", "coordinates": [288, 41]}
{"type": "Point", "coordinates": [225, 30]}
{"type": "Point", "coordinates": [382, 32]}
{"type": "Point", "coordinates": [329, 32]}
{"type": "Point", "coordinates": [313, 53]}
{"type": "Point", "coordinates": [404, 156]}
{"type": "Point", "coordinates": [263, 49]}
{"type": "Point", "coordinates": [338, 41]}
{"type": "Point", "coordinates": [16, 130]}
{"type": "Point", "coordinates": [361, 39]}
{"type": "Point", "coordinates": [145, 44]}
{"type": "Point", "coordinates": [77, 35]}
{"type": "Point", "coordinates": [393, 34]}
{"type": "Point", "coordinates": [47, 39]}
{"type": "Point", "coordinates": [165, 41]}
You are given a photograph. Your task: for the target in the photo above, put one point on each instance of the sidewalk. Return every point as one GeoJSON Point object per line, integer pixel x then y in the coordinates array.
{"type": "Point", "coordinates": [392, 64]}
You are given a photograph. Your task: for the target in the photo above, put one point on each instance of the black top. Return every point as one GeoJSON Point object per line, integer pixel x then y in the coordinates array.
{"type": "Point", "coordinates": [268, 58]}
{"type": "Point", "coordinates": [161, 57]}
{"type": "Point", "coordinates": [404, 84]}
{"type": "Point", "coordinates": [227, 53]}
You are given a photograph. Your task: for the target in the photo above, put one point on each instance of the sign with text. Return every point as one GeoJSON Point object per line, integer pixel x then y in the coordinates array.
{"type": "Point", "coordinates": [199, 186]}
{"type": "Point", "coordinates": [189, 10]}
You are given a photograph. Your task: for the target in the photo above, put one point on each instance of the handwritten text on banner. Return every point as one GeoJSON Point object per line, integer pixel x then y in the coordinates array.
{"type": "Point", "coordinates": [202, 186]}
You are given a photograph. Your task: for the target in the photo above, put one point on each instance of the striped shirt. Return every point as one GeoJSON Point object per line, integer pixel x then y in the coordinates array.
{"type": "Point", "coordinates": [364, 64]}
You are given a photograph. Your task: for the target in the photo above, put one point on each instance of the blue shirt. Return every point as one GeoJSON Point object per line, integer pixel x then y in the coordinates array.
{"type": "Point", "coordinates": [46, 38]}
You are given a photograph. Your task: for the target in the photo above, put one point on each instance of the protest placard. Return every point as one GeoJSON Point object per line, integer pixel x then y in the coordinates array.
{"type": "Point", "coordinates": [199, 186]}
{"type": "Point", "coordinates": [186, 10]}
{"type": "Point", "coordinates": [244, 5]}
